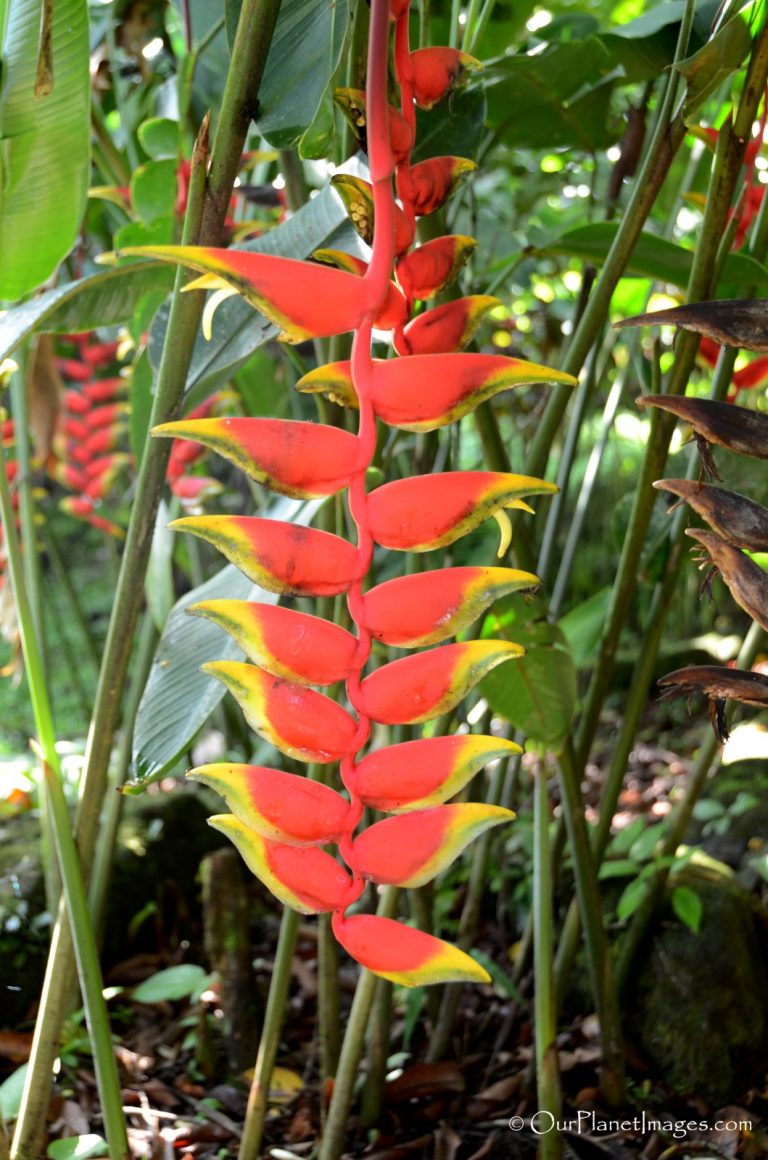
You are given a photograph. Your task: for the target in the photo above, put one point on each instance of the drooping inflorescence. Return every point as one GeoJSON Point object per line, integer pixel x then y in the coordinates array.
{"type": "Point", "coordinates": [281, 822]}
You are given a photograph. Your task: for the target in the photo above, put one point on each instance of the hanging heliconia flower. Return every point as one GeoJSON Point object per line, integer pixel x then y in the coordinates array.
{"type": "Point", "coordinates": [280, 821]}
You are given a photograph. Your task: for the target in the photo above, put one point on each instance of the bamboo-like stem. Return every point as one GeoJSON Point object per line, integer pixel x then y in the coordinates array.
{"type": "Point", "coordinates": [253, 1128]}
{"type": "Point", "coordinates": [105, 845]}
{"type": "Point", "coordinates": [379, 1033]}
{"type": "Point", "coordinates": [728, 158]}
{"type": "Point", "coordinates": [74, 891]}
{"type": "Point", "coordinates": [328, 997]}
{"type": "Point", "coordinates": [598, 958]}
{"type": "Point", "coordinates": [337, 1123]}
{"type": "Point", "coordinates": [206, 211]}
{"type": "Point", "coordinates": [545, 1010]}
{"type": "Point", "coordinates": [667, 138]}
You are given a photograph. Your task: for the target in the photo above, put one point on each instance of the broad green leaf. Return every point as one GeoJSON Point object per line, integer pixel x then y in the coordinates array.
{"type": "Point", "coordinates": [171, 984]}
{"type": "Point", "coordinates": [537, 692]}
{"type": "Point", "coordinates": [153, 190]}
{"type": "Point", "coordinates": [452, 128]}
{"type": "Point", "coordinates": [303, 57]}
{"type": "Point", "coordinates": [317, 140]}
{"type": "Point", "coordinates": [556, 98]}
{"type": "Point", "coordinates": [102, 299]}
{"type": "Point", "coordinates": [160, 137]}
{"type": "Point", "coordinates": [44, 141]}
{"type": "Point", "coordinates": [706, 70]}
{"type": "Point", "coordinates": [77, 1147]}
{"type": "Point", "coordinates": [583, 627]}
{"type": "Point", "coordinates": [238, 329]}
{"type": "Point", "coordinates": [631, 898]}
{"type": "Point", "coordinates": [178, 698]}
{"type": "Point", "coordinates": [653, 257]}
{"type": "Point", "coordinates": [686, 904]}
{"type": "Point", "coordinates": [10, 1093]}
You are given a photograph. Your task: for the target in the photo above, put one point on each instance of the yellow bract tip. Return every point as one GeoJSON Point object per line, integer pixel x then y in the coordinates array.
{"type": "Point", "coordinates": [505, 526]}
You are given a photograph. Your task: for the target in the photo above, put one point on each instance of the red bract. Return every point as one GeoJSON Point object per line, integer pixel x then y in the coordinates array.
{"type": "Point", "coordinates": [278, 820]}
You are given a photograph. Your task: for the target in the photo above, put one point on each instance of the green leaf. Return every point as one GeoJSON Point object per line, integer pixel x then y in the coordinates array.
{"type": "Point", "coordinates": [77, 1147]}
{"type": "Point", "coordinates": [178, 698]}
{"type": "Point", "coordinates": [583, 627]}
{"type": "Point", "coordinates": [686, 904]}
{"type": "Point", "coordinates": [160, 137]}
{"type": "Point", "coordinates": [706, 70]}
{"type": "Point", "coordinates": [452, 128]}
{"type": "Point", "coordinates": [631, 898]}
{"type": "Point", "coordinates": [10, 1093]}
{"type": "Point", "coordinates": [553, 99]}
{"type": "Point", "coordinates": [172, 984]}
{"type": "Point", "coordinates": [303, 57]}
{"type": "Point", "coordinates": [653, 257]}
{"type": "Point", "coordinates": [102, 299]}
{"type": "Point", "coordinates": [44, 142]}
{"type": "Point", "coordinates": [646, 844]}
{"type": "Point", "coordinates": [536, 692]}
{"type": "Point", "coordinates": [238, 329]}
{"type": "Point", "coordinates": [153, 190]}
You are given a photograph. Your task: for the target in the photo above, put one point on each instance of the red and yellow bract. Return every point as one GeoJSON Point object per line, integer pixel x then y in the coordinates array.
{"type": "Point", "coordinates": [278, 820]}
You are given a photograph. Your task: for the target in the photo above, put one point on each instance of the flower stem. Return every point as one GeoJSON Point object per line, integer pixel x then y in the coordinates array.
{"type": "Point", "coordinates": [545, 1007]}
{"type": "Point", "coordinates": [74, 891]}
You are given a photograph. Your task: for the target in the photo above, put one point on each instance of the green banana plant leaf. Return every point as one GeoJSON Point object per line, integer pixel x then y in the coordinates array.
{"type": "Point", "coordinates": [44, 138]}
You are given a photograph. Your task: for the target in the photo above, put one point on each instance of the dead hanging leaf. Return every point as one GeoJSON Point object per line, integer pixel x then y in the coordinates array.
{"type": "Point", "coordinates": [735, 428]}
{"type": "Point", "coordinates": [734, 518]}
{"type": "Point", "coordinates": [746, 582]}
{"type": "Point", "coordinates": [741, 322]}
{"type": "Point", "coordinates": [45, 393]}
{"type": "Point", "coordinates": [718, 684]}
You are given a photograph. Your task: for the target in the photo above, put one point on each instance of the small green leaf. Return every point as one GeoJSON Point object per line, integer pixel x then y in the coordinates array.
{"type": "Point", "coordinates": [77, 1148]}
{"type": "Point", "coordinates": [706, 70]}
{"type": "Point", "coordinates": [645, 845]}
{"type": "Point", "coordinates": [11, 1090]}
{"type": "Point", "coordinates": [535, 692]}
{"type": "Point", "coordinates": [630, 899]}
{"type": "Point", "coordinates": [154, 189]}
{"type": "Point", "coordinates": [617, 868]}
{"type": "Point", "coordinates": [160, 138]}
{"type": "Point", "coordinates": [686, 904]}
{"type": "Point", "coordinates": [172, 984]}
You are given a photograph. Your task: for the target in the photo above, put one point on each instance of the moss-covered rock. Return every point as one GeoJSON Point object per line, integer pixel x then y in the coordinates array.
{"type": "Point", "coordinates": [699, 1010]}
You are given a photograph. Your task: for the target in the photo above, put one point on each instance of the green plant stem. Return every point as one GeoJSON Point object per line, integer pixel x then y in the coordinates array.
{"type": "Point", "coordinates": [545, 1010]}
{"type": "Point", "coordinates": [468, 924]}
{"type": "Point", "coordinates": [74, 891]}
{"type": "Point", "coordinates": [666, 140]}
{"type": "Point", "coordinates": [105, 844]}
{"type": "Point", "coordinates": [334, 1136]}
{"type": "Point", "coordinates": [207, 205]}
{"type": "Point", "coordinates": [598, 958]}
{"type": "Point", "coordinates": [329, 1000]}
{"type": "Point", "coordinates": [253, 1128]}
{"type": "Point", "coordinates": [727, 164]}
{"type": "Point", "coordinates": [379, 1035]}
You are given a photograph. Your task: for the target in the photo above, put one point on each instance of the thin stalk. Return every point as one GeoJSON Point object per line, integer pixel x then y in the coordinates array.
{"type": "Point", "coordinates": [119, 173]}
{"type": "Point", "coordinates": [469, 924]}
{"type": "Point", "coordinates": [666, 140]}
{"type": "Point", "coordinates": [74, 891]}
{"type": "Point", "coordinates": [337, 1123]}
{"type": "Point", "coordinates": [598, 958]}
{"type": "Point", "coordinates": [379, 1034]}
{"type": "Point", "coordinates": [33, 585]}
{"type": "Point", "coordinates": [545, 1011]}
{"type": "Point", "coordinates": [728, 158]}
{"type": "Point", "coordinates": [329, 999]}
{"type": "Point", "coordinates": [206, 210]}
{"type": "Point", "coordinates": [476, 24]}
{"type": "Point", "coordinates": [355, 71]}
{"type": "Point", "coordinates": [253, 1128]}
{"type": "Point", "coordinates": [105, 845]}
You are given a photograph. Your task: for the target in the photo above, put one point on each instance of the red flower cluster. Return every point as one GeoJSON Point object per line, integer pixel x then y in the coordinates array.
{"type": "Point", "coordinates": [280, 821]}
